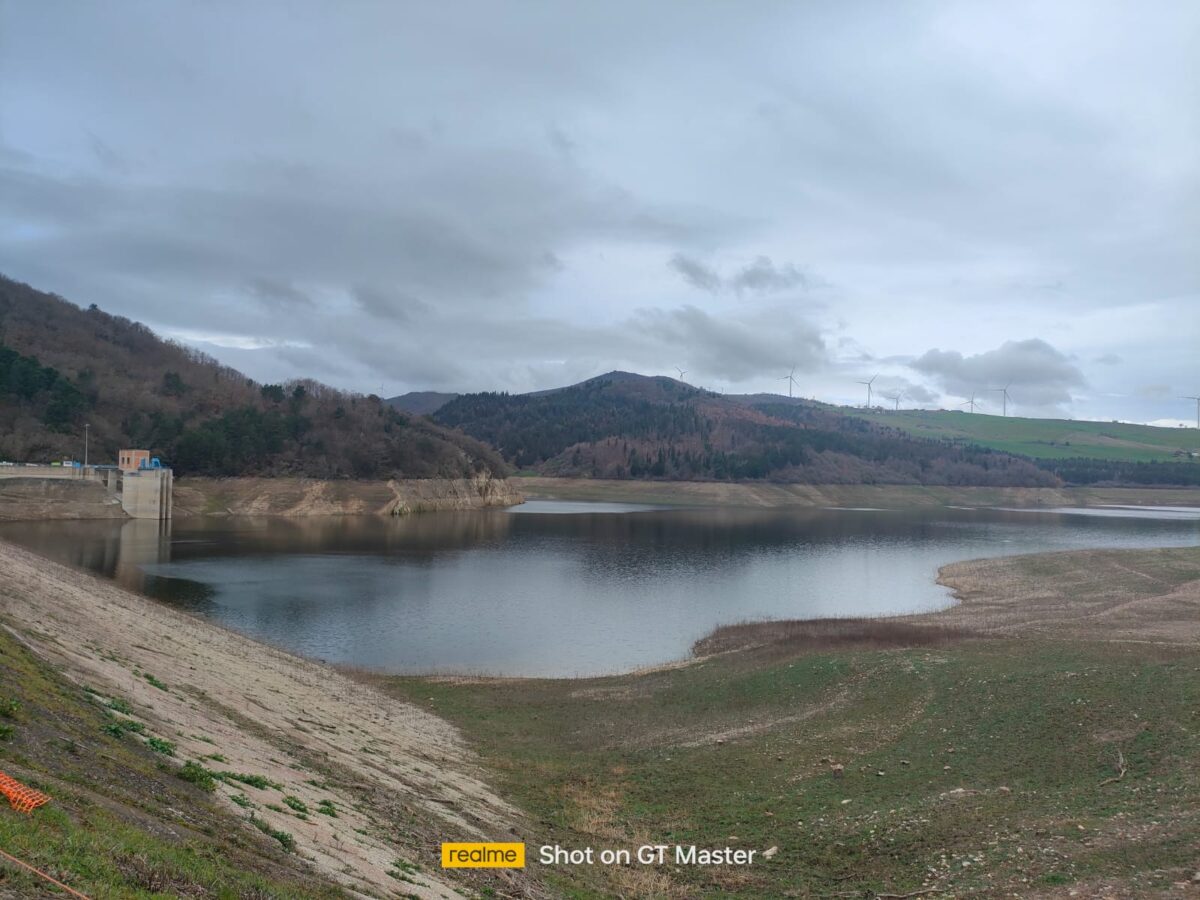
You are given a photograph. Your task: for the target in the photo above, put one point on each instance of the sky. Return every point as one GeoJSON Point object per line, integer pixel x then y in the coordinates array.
{"type": "Point", "coordinates": [513, 196]}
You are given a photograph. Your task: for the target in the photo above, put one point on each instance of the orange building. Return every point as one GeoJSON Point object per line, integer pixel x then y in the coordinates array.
{"type": "Point", "coordinates": [132, 460]}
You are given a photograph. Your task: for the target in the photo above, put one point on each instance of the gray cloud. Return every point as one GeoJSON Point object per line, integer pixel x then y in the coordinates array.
{"type": "Point", "coordinates": [278, 295]}
{"type": "Point", "coordinates": [696, 273]}
{"type": "Point", "coordinates": [394, 305]}
{"type": "Point", "coordinates": [732, 349]}
{"type": "Point", "coordinates": [484, 198]}
{"type": "Point", "coordinates": [761, 276]}
{"type": "Point", "coordinates": [1039, 376]}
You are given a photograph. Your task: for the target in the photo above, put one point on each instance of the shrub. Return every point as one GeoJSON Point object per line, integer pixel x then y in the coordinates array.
{"type": "Point", "coordinates": [285, 840]}
{"type": "Point", "coordinates": [198, 775]}
{"type": "Point", "coordinates": [158, 745]}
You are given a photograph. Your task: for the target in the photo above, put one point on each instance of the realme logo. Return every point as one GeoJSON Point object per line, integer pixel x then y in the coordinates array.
{"type": "Point", "coordinates": [483, 856]}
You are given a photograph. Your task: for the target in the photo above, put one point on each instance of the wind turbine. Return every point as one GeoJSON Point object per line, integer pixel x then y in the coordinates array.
{"type": "Point", "coordinates": [868, 384]}
{"type": "Point", "coordinates": [1197, 399]}
{"type": "Point", "coordinates": [681, 372]}
{"type": "Point", "coordinates": [970, 403]}
{"type": "Point", "coordinates": [790, 380]}
{"type": "Point", "coordinates": [1004, 392]}
{"type": "Point", "coordinates": [895, 398]}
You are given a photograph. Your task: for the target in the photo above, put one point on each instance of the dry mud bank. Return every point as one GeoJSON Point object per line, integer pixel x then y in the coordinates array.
{"type": "Point", "coordinates": [763, 494]}
{"type": "Point", "coordinates": [315, 497]}
{"type": "Point", "coordinates": [37, 499]}
{"type": "Point", "coordinates": [400, 778]}
{"type": "Point", "coordinates": [1140, 596]}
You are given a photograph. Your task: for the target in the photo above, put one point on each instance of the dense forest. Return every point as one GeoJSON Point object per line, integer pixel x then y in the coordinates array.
{"type": "Point", "coordinates": [1116, 472]}
{"type": "Point", "coordinates": [625, 426]}
{"type": "Point", "coordinates": [62, 366]}
{"type": "Point", "coordinates": [622, 425]}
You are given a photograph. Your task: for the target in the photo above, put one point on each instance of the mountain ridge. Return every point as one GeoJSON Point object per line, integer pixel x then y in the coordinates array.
{"type": "Point", "coordinates": [63, 367]}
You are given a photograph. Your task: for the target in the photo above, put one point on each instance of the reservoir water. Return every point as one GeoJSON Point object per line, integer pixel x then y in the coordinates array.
{"type": "Point", "coordinates": [560, 589]}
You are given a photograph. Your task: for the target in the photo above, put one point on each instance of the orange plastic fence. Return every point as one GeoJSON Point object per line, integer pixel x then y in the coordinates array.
{"type": "Point", "coordinates": [23, 799]}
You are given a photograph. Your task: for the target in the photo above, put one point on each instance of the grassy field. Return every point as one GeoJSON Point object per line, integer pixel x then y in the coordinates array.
{"type": "Point", "coordinates": [122, 823]}
{"type": "Point", "coordinates": [1043, 438]}
{"type": "Point", "coordinates": [972, 765]}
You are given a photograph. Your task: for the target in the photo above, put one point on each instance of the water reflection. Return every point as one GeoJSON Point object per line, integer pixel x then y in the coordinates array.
{"type": "Point", "coordinates": [553, 592]}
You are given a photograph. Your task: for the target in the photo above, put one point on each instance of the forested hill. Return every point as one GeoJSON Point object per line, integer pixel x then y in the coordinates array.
{"type": "Point", "coordinates": [62, 366]}
{"type": "Point", "coordinates": [630, 426]}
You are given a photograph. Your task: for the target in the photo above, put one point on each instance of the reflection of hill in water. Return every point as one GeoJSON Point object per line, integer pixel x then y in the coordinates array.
{"type": "Point", "coordinates": [546, 594]}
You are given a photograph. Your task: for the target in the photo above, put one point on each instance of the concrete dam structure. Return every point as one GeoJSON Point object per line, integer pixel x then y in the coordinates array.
{"type": "Point", "coordinates": [144, 490]}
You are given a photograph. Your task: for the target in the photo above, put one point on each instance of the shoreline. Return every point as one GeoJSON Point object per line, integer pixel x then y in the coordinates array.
{"type": "Point", "coordinates": [42, 499]}
{"type": "Point", "coordinates": [305, 726]}
{"type": "Point", "coordinates": [770, 495]}
{"type": "Point", "coordinates": [294, 722]}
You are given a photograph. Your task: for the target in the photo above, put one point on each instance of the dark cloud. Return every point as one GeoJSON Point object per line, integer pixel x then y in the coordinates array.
{"type": "Point", "coordinates": [278, 295]}
{"type": "Point", "coordinates": [1036, 373]}
{"type": "Point", "coordinates": [761, 276]}
{"type": "Point", "coordinates": [476, 197]}
{"type": "Point", "coordinates": [911, 393]}
{"type": "Point", "coordinates": [733, 349]}
{"type": "Point", "coordinates": [696, 273]}
{"type": "Point", "coordinates": [394, 305]}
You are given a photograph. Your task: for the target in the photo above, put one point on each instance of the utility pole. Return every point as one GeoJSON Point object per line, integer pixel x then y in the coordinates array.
{"type": "Point", "coordinates": [85, 444]}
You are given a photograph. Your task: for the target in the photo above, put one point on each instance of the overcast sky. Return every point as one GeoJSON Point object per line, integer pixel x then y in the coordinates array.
{"type": "Point", "coordinates": [468, 196]}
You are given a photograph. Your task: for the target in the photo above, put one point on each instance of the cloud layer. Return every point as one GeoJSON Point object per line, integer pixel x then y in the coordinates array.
{"type": "Point", "coordinates": [1038, 377]}
{"type": "Point", "coordinates": [397, 197]}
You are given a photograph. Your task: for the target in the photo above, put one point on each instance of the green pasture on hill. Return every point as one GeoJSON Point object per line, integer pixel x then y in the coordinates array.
{"type": "Point", "coordinates": [1044, 438]}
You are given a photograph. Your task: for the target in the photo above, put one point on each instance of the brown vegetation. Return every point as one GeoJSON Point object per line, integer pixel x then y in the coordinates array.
{"type": "Point", "coordinates": [796, 636]}
{"type": "Point", "coordinates": [135, 389]}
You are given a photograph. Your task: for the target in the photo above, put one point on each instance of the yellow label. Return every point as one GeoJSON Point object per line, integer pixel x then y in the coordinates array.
{"type": "Point", "coordinates": [483, 856]}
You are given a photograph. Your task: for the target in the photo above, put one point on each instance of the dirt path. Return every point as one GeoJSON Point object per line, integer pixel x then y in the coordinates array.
{"type": "Point", "coordinates": [400, 779]}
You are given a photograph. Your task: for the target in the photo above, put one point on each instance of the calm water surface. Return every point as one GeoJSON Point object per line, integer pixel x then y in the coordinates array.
{"type": "Point", "coordinates": [562, 588]}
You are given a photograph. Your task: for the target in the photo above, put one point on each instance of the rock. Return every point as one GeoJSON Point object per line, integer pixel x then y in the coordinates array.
{"type": "Point", "coordinates": [880, 773]}
{"type": "Point", "coordinates": [1004, 790]}
{"type": "Point", "coordinates": [769, 852]}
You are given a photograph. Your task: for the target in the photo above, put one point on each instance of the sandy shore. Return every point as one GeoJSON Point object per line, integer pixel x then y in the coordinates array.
{"type": "Point", "coordinates": [401, 778]}
{"type": "Point", "coordinates": [1100, 595]}
{"type": "Point", "coordinates": [1142, 596]}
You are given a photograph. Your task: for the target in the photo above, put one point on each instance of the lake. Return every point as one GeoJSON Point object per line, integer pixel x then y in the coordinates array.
{"type": "Point", "coordinates": [561, 589]}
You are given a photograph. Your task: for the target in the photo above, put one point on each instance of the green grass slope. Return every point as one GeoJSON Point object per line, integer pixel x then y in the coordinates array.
{"type": "Point", "coordinates": [122, 822]}
{"type": "Point", "coordinates": [1044, 438]}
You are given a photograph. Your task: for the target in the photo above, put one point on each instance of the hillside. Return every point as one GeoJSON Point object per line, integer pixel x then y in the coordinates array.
{"type": "Point", "coordinates": [1046, 438]}
{"type": "Point", "coordinates": [420, 403]}
{"type": "Point", "coordinates": [631, 426]}
{"type": "Point", "coordinates": [62, 366]}
{"type": "Point", "coordinates": [622, 425]}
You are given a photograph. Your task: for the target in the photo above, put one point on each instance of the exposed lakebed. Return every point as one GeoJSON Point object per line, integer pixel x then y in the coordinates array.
{"type": "Point", "coordinates": [561, 589]}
